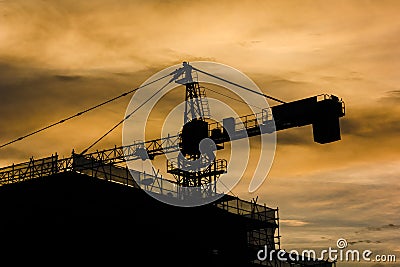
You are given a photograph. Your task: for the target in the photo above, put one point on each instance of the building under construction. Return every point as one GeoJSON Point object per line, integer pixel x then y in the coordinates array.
{"type": "Point", "coordinates": [92, 206]}
{"type": "Point", "coordinates": [79, 208]}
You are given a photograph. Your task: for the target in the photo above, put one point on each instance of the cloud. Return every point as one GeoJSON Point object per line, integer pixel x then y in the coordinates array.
{"type": "Point", "coordinates": [301, 136]}
{"type": "Point", "coordinates": [67, 78]}
{"type": "Point", "coordinates": [363, 241]}
{"type": "Point", "coordinates": [391, 97]}
{"type": "Point", "coordinates": [294, 223]}
{"type": "Point", "coordinates": [57, 58]}
{"type": "Point", "coordinates": [33, 98]}
{"type": "Point", "coordinates": [389, 226]}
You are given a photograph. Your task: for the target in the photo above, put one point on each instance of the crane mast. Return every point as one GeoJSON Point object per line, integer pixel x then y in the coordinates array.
{"type": "Point", "coordinates": [195, 167]}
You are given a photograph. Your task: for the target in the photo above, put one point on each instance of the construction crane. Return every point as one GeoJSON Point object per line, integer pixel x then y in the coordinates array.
{"type": "Point", "coordinates": [194, 168]}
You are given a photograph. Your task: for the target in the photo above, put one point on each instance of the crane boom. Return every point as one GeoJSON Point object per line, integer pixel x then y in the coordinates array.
{"type": "Point", "coordinates": [322, 112]}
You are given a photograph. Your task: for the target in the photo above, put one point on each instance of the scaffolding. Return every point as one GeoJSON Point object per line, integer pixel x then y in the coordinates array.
{"type": "Point", "coordinates": [262, 227]}
{"type": "Point", "coordinates": [262, 222]}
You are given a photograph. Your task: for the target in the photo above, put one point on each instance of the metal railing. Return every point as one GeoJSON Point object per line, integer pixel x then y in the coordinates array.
{"type": "Point", "coordinates": [249, 209]}
{"type": "Point", "coordinates": [205, 165]}
{"type": "Point", "coordinates": [34, 169]}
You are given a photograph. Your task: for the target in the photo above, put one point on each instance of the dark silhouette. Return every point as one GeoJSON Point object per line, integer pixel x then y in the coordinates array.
{"type": "Point", "coordinates": [87, 208]}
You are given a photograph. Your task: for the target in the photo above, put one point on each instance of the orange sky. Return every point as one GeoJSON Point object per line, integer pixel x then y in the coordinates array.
{"type": "Point", "coordinates": [57, 58]}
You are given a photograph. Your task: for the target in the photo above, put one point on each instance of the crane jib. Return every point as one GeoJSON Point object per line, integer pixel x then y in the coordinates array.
{"type": "Point", "coordinates": [322, 112]}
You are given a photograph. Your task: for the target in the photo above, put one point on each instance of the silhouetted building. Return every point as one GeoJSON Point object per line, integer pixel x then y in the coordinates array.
{"type": "Point", "coordinates": [78, 210]}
